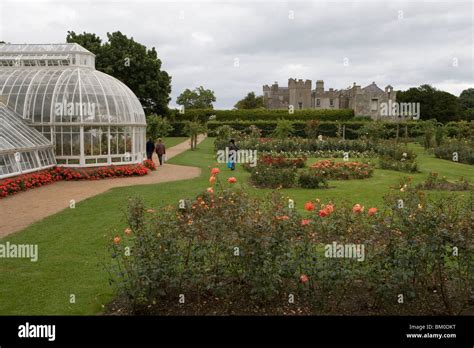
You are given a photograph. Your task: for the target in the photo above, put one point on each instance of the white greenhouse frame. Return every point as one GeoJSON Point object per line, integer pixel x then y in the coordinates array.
{"type": "Point", "coordinates": [92, 118]}
{"type": "Point", "coordinates": [22, 148]}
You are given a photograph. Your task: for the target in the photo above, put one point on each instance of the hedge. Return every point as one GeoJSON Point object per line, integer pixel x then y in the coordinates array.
{"type": "Point", "coordinates": [330, 129]}
{"type": "Point", "coordinates": [325, 128]}
{"type": "Point", "coordinates": [264, 114]}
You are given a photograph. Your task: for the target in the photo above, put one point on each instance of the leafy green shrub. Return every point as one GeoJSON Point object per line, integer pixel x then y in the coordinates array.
{"type": "Point", "coordinates": [158, 127]}
{"type": "Point", "coordinates": [386, 162]}
{"type": "Point", "coordinates": [309, 179]}
{"type": "Point", "coordinates": [266, 176]}
{"type": "Point", "coordinates": [434, 182]}
{"type": "Point", "coordinates": [463, 148]}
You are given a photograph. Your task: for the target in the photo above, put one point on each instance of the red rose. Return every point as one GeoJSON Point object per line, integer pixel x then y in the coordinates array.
{"type": "Point", "coordinates": [232, 180]}
{"type": "Point", "coordinates": [323, 213]}
{"type": "Point", "coordinates": [309, 206]}
{"type": "Point", "coordinates": [215, 171]}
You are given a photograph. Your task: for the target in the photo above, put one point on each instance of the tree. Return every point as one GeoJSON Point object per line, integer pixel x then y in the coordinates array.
{"type": "Point", "coordinates": [283, 129]}
{"type": "Point", "coordinates": [158, 127]}
{"type": "Point", "coordinates": [434, 104]}
{"type": "Point", "coordinates": [466, 99]}
{"type": "Point", "coordinates": [198, 98]}
{"type": "Point", "coordinates": [133, 64]}
{"type": "Point", "coordinates": [250, 102]}
{"type": "Point", "coordinates": [193, 129]}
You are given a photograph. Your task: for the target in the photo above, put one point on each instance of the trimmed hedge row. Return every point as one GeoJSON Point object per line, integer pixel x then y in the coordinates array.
{"type": "Point", "coordinates": [264, 114]}
{"type": "Point", "coordinates": [326, 128]}
{"type": "Point", "coordinates": [330, 129]}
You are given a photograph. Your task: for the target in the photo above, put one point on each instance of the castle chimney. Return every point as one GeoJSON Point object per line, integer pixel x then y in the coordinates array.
{"type": "Point", "coordinates": [320, 86]}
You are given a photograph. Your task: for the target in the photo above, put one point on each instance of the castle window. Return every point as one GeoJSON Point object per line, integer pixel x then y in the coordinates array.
{"type": "Point", "coordinates": [318, 102]}
{"type": "Point", "coordinates": [300, 105]}
{"type": "Point", "coordinates": [374, 105]}
{"type": "Point", "coordinates": [331, 102]}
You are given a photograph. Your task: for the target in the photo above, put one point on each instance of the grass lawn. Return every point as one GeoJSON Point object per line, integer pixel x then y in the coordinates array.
{"type": "Point", "coordinates": [73, 243]}
{"type": "Point", "coordinates": [172, 141]}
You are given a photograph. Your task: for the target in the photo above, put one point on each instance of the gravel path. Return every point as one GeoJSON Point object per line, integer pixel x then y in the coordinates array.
{"type": "Point", "coordinates": [25, 208]}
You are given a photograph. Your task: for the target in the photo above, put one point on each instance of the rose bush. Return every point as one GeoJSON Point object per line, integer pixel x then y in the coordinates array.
{"type": "Point", "coordinates": [249, 254]}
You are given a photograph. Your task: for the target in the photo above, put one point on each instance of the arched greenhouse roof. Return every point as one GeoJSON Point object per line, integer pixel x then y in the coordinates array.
{"type": "Point", "coordinates": [77, 95]}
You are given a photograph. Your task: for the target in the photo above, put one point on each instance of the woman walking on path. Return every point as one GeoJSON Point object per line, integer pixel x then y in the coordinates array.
{"type": "Point", "coordinates": [160, 151]}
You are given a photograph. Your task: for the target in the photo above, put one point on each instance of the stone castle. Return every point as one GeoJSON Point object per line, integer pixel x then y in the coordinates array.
{"type": "Point", "coordinates": [299, 94]}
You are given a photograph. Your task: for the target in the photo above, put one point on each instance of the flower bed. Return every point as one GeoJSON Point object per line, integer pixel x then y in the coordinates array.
{"type": "Point", "coordinates": [434, 182]}
{"type": "Point", "coordinates": [282, 161]}
{"type": "Point", "coordinates": [329, 169]}
{"type": "Point", "coordinates": [230, 253]}
{"type": "Point", "coordinates": [25, 182]}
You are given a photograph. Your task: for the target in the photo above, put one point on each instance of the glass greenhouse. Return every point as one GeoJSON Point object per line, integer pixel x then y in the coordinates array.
{"type": "Point", "coordinates": [22, 148]}
{"type": "Point", "coordinates": [92, 118]}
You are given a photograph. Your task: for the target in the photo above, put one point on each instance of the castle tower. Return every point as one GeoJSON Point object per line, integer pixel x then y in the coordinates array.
{"type": "Point", "coordinates": [299, 93]}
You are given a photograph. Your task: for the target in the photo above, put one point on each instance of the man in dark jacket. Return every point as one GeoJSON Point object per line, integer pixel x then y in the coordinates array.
{"type": "Point", "coordinates": [150, 147]}
{"type": "Point", "coordinates": [160, 151]}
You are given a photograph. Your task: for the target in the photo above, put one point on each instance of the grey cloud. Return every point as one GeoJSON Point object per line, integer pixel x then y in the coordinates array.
{"type": "Point", "coordinates": [199, 40]}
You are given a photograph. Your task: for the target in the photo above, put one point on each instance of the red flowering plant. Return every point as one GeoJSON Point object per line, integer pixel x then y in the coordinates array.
{"type": "Point", "coordinates": [25, 182]}
{"type": "Point", "coordinates": [150, 164]}
{"type": "Point", "coordinates": [329, 169]}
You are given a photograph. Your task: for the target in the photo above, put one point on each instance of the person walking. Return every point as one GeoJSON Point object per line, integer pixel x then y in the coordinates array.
{"type": "Point", "coordinates": [150, 147]}
{"type": "Point", "coordinates": [160, 151]}
{"type": "Point", "coordinates": [233, 154]}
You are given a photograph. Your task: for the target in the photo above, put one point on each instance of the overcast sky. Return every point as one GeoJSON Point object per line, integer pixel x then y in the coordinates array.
{"type": "Point", "coordinates": [234, 47]}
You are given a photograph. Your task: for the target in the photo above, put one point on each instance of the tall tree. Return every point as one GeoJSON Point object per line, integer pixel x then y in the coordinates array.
{"type": "Point", "coordinates": [466, 99]}
{"type": "Point", "coordinates": [250, 102]}
{"type": "Point", "coordinates": [198, 98]}
{"type": "Point", "coordinates": [133, 64]}
{"type": "Point", "coordinates": [434, 104]}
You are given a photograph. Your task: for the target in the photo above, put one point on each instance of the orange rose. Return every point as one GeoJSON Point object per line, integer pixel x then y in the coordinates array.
{"type": "Point", "coordinates": [212, 180]}
{"type": "Point", "coordinates": [305, 222]}
{"type": "Point", "coordinates": [304, 278]}
{"type": "Point", "coordinates": [329, 208]}
{"type": "Point", "coordinates": [128, 231]}
{"type": "Point", "coordinates": [117, 240]}
{"type": "Point", "coordinates": [210, 190]}
{"type": "Point", "coordinates": [372, 211]}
